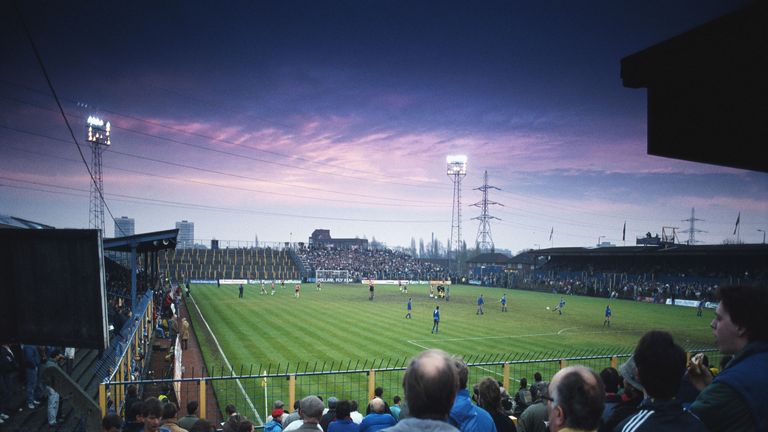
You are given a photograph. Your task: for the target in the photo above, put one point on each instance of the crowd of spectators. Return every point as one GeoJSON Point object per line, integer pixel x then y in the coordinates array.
{"type": "Point", "coordinates": [372, 264]}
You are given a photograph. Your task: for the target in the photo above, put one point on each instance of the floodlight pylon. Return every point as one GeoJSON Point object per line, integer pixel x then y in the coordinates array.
{"type": "Point", "coordinates": [98, 137]}
{"type": "Point", "coordinates": [456, 171]}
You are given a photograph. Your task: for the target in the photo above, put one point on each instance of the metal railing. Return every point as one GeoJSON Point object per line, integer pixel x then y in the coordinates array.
{"type": "Point", "coordinates": [254, 388]}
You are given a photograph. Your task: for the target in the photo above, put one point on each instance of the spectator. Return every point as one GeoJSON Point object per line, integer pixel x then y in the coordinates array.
{"type": "Point", "coordinates": [245, 426]}
{"type": "Point", "coordinates": [189, 420]}
{"type": "Point", "coordinates": [631, 397]}
{"type": "Point", "coordinates": [330, 414]}
{"type": "Point", "coordinates": [378, 392]}
{"type": "Point", "coordinates": [111, 423]}
{"type": "Point", "coordinates": [49, 382]}
{"type": "Point", "coordinates": [377, 419]}
{"type": "Point", "coordinates": [395, 408]}
{"type": "Point", "coordinates": [311, 410]}
{"type": "Point", "coordinates": [169, 418]}
{"type": "Point", "coordinates": [740, 328]}
{"type": "Point", "coordinates": [343, 422]}
{"type": "Point", "coordinates": [233, 419]}
{"type": "Point", "coordinates": [184, 333]}
{"type": "Point", "coordinates": [355, 415]}
{"type": "Point", "coordinates": [660, 364]}
{"type": "Point", "coordinates": [430, 384]}
{"type": "Point", "coordinates": [8, 366]}
{"type": "Point", "coordinates": [523, 398]}
{"type": "Point", "coordinates": [274, 424]}
{"type": "Point", "coordinates": [202, 426]}
{"type": "Point", "coordinates": [152, 413]}
{"type": "Point", "coordinates": [575, 399]}
{"type": "Point", "coordinates": [489, 399]}
{"type": "Point", "coordinates": [32, 370]}
{"type": "Point", "coordinates": [610, 377]}
{"type": "Point", "coordinates": [292, 416]}
{"type": "Point", "coordinates": [131, 397]}
{"type": "Point", "coordinates": [464, 415]}
{"type": "Point", "coordinates": [535, 417]}
{"type": "Point", "coordinates": [137, 424]}
{"type": "Point", "coordinates": [534, 387]}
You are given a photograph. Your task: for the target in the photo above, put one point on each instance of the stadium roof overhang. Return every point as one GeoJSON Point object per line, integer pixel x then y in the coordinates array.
{"type": "Point", "coordinates": [707, 91]}
{"type": "Point", "coordinates": [147, 242]}
{"type": "Point", "coordinates": [658, 251]}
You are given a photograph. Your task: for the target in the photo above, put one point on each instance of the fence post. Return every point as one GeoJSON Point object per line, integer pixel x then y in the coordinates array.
{"type": "Point", "coordinates": [615, 362]}
{"type": "Point", "coordinates": [506, 375]}
{"type": "Point", "coordinates": [371, 384]}
{"type": "Point", "coordinates": [291, 391]}
{"type": "Point", "coordinates": [563, 363]}
{"type": "Point", "coordinates": [687, 357]}
{"type": "Point", "coordinates": [103, 399]}
{"type": "Point", "coordinates": [201, 398]}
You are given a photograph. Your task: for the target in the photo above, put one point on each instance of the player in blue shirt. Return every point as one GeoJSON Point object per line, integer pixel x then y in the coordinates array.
{"type": "Point", "coordinates": [607, 316]}
{"type": "Point", "coordinates": [409, 307]}
{"type": "Point", "coordinates": [436, 319]}
{"type": "Point", "coordinates": [503, 302]}
{"type": "Point", "coordinates": [560, 306]}
{"type": "Point", "coordinates": [480, 303]}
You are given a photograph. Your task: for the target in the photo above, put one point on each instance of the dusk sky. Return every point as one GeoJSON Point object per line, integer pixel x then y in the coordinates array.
{"type": "Point", "coordinates": [272, 119]}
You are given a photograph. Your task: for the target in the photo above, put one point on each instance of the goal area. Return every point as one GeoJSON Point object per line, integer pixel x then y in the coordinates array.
{"type": "Point", "coordinates": [333, 276]}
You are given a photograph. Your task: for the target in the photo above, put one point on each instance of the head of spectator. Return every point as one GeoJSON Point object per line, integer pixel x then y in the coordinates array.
{"type": "Point", "coordinates": [111, 423]}
{"type": "Point", "coordinates": [377, 405]}
{"type": "Point", "coordinates": [660, 364]}
{"type": "Point", "coordinates": [396, 400]}
{"type": "Point", "coordinates": [277, 414]}
{"type": "Point", "coordinates": [628, 370]}
{"type": "Point", "coordinates": [740, 317]}
{"type": "Point", "coordinates": [542, 390]}
{"type": "Point", "coordinates": [152, 413]}
{"type": "Point", "coordinates": [489, 395]}
{"type": "Point", "coordinates": [311, 409]}
{"type": "Point", "coordinates": [353, 405]}
{"type": "Point", "coordinates": [576, 399]}
{"type": "Point", "coordinates": [343, 408]}
{"type": "Point", "coordinates": [430, 383]}
{"type": "Point", "coordinates": [230, 410]}
{"type": "Point", "coordinates": [296, 404]}
{"type": "Point", "coordinates": [278, 404]}
{"type": "Point", "coordinates": [332, 403]}
{"type": "Point", "coordinates": [610, 377]}
{"type": "Point", "coordinates": [463, 371]}
{"type": "Point", "coordinates": [169, 411]}
{"type": "Point", "coordinates": [537, 377]}
{"type": "Point", "coordinates": [378, 392]}
{"type": "Point", "coordinates": [202, 426]}
{"type": "Point", "coordinates": [192, 407]}
{"type": "Point", "coordinates": [523, 383]}
{"type": "Point", "coordinates": [245, 426]}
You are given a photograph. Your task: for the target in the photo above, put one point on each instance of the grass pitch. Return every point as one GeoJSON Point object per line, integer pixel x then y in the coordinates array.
{"type": "Point", "coordinates": [338, 327]}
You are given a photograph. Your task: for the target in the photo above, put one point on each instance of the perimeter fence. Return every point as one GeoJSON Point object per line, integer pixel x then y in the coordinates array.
{"type": "Point", "coordinates": [253, 389]}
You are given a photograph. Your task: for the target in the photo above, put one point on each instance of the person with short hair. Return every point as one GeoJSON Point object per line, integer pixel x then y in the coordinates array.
{"type": "Point", "coordinates": [354, 414]}
{"type": "Point", "coordinates": [169, 418]}
{"type": "Point", "coordinates": [184, 333]}
{"type": "Point", "coordinates": [343, 422]}
{"type": "Point", "coordinates": [610, 377]}
{"type": "Point", "coordinates": [233, 419]}
{"type": "Point", "coordinates": [189, 420]}
{"type": "Point", "coordinates": [575, 400]}
{"type": "Point", "coordinates": [608, 313]}
{"type": "Point", "coordinates": [394, 409]}
{"type": "Point", "coordinates": [330, 413]}
{"type": "Point", "coordinates": [152, 414]}
{"type": "Point", "coordinates": [503, 302]}
{"type": "Point", "coordinates": [290, 418]}
{"type": "Point", "coordinates": [430, 383]}
{"type": "Point", "coordinates": [464, 415]}
{"type": "Point", "coordinates": [736, 398]}
{"type": "Point", "coordinates": [534, 418]}
{"type": "Point", "coordinates": [489, 399]}
{"type": "Point", "coordinates": [111, 423]}
{"type": "Point", "coordinates": [377, 419]}
{"type": "Point", "coordinates": [660, 364]}
{"type": "Point", "coordinates": [311, 411]}
{"type": "Point", "coordinates": [523, 398]}
{"type": "Point", "coordinates": [480, 303]}
{"type": "Point", "coordinates": [409, 307]}
{"type": "Point", "coordinates": [245, 426]}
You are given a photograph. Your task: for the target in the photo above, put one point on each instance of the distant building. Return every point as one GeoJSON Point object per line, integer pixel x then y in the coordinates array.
{"type": "Point", "coordinates": [125, 227]}
{"type": "Point", "coordinates": [214, 244]}
{"type": "Point", "coordinates": [321, 238]}
{"type": "Point", "coordinates": [186, 239]}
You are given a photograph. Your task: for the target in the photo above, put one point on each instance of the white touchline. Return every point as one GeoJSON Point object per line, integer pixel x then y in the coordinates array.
{"type": "Point", "coordinates": [232, 371]}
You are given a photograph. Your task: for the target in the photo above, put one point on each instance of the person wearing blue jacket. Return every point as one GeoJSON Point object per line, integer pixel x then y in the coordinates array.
{"type": "Point", "coordinates": [465, 415]}
{"type": "Point", "coordinates": [377, 419]}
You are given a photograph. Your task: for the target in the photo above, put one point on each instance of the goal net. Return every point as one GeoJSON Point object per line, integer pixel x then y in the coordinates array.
{"type": "Point", "coordinates": [333, 276]}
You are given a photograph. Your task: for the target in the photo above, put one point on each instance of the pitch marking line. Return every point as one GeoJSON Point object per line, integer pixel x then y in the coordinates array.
{"type": "Point", "coordinates": [232, 371]}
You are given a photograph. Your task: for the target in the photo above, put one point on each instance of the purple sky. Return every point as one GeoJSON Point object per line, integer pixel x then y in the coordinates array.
{"type": "Point", "coordinates": [271, 119]}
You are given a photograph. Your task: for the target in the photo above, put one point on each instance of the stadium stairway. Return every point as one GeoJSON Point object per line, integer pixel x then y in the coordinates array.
{"type": "Point", "coordinates": [71, 418]}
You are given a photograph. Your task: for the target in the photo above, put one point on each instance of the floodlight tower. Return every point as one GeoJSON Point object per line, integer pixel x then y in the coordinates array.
{"type": "Point", "coordinates": [98, 136]}
{"type": "Point", "coordinates": [484, 240]}
{"type": "Point", "coordinates": [457, 170]}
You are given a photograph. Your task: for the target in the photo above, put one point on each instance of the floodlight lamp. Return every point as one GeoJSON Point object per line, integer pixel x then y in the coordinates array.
{"type": "Point", "coordinates": [452, 159]}
{"type": "Point", "coordinates": [95, 121]}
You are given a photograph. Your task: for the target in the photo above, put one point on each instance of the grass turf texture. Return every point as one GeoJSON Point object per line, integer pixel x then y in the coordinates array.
{"type": "Point", "coordinates": [339, 326]}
